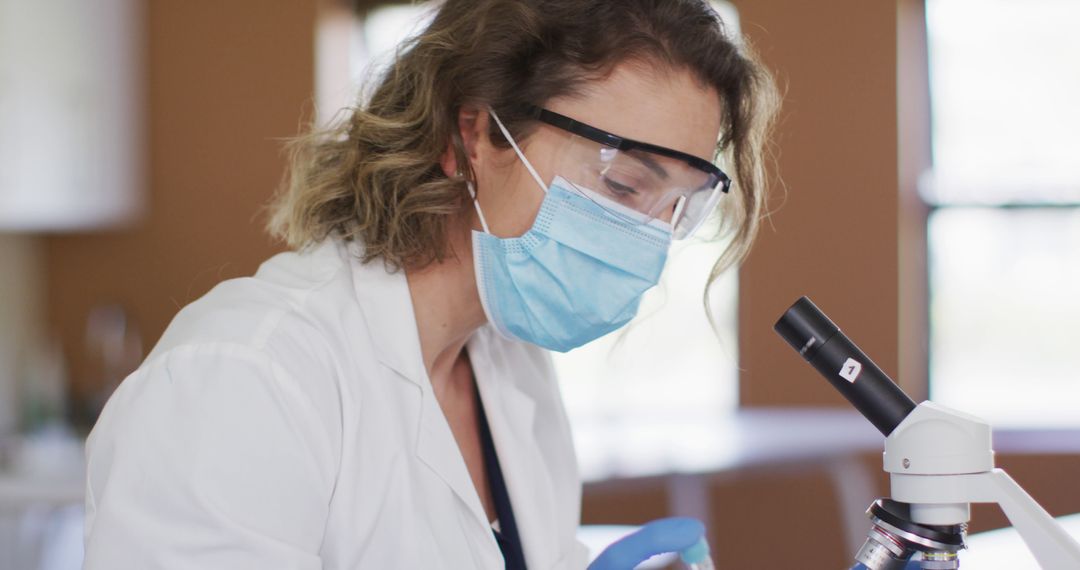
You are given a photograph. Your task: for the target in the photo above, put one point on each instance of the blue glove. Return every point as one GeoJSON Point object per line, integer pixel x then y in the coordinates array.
{"type": "Point", "coordinates": [657, 537]}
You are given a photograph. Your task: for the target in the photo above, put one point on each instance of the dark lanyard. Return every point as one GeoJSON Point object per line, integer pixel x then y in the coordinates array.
{"type": "Point", "coordinates": [507, 536]}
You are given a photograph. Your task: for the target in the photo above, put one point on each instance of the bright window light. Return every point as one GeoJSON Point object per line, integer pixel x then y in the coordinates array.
{"type": "Point", "coordinates": [668, 365]}
{"type": "Point", "coordinates": [1004, 313]}
{"type": "Point", "coordinates": [1005, 86]}
{"type": "Point", "coordinates": [1004, 240]}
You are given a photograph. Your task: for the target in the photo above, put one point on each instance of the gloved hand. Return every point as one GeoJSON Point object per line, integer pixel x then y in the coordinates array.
{"type": "Point", "coordinates": [657, 537]}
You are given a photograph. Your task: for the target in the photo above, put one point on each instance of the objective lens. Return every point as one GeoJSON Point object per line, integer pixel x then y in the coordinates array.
{"type": "Point", "coordinates": [940, 561]}
{"type": "Point", "coordinates": [883, 551]}
{"type": "Point", "coordinates": [893, 540]}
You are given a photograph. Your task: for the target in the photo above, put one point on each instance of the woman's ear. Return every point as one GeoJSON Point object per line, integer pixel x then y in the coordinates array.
{"type": "Point", "coordinates": [471, 133]}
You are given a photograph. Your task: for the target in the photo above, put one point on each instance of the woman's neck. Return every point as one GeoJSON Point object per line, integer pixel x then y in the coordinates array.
{"type": "Point", "coordinates": [447, 308]}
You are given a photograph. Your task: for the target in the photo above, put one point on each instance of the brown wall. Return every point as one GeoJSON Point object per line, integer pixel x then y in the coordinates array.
{"type": "Point", "coordinates": [225, 80]}
{"type": "Point", "coordinates": [835, 237]}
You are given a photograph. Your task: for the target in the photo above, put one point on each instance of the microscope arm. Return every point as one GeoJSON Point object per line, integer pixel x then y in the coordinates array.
{"type": "Point", "coordinates": [1044, 536]}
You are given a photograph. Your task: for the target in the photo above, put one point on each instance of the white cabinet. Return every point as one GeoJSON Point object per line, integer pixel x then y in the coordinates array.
{"type": "Point", "coordinates": [70, 113]}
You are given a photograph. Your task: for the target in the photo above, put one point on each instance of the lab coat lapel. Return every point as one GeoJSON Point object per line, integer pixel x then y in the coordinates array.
{"type": "Point", "coordinates": [437, 448]}
{"type": "Point", "coordinates": [511, 414]}
{"type": "Point", "coordinates": [388, 314]}
{"type": "Point", "coordinates": [387, 305]}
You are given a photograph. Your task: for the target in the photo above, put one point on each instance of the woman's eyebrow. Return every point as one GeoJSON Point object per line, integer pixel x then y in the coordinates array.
{"type": "Point", "coordinates": [651, 163]}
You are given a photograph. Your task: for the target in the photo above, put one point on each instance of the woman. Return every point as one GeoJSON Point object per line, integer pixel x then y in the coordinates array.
{"type": "Point", "coordinates": [381, 396]}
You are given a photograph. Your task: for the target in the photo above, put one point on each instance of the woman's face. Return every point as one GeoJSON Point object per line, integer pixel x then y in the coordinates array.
{"type": "Point", "coordinates": [636, 101]}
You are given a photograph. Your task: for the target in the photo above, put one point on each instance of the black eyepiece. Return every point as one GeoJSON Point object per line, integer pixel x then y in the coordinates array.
{"type": "Point", "coordinates": [847, 368]}
{"type": "Point", "coordinates": [805, 327]}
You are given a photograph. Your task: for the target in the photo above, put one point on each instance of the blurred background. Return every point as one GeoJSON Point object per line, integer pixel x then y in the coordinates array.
{"type": "Point", "coordinates": [928, 199]}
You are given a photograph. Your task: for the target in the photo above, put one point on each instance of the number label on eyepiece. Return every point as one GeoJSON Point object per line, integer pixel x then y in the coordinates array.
{"type": "Point", "coordinates": [850, 370]}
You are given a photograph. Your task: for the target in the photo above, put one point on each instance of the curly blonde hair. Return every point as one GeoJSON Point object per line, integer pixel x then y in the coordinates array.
{"type": "Point", "coordinates": [376, 176]}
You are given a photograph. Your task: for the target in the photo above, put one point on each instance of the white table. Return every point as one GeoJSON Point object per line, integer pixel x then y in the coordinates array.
{"type": "Point", "coordinates": [41, 506]}
{"type": "Point", "coordinates": [21, 492]}
{"type": "Point", "coordinates": [1003, 549]}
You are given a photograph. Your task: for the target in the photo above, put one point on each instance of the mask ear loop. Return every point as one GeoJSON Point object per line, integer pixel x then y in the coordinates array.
{"type": "Point", "coordinates": [521, 155]}
{"type": "Point", "coordinates": [476, 204]}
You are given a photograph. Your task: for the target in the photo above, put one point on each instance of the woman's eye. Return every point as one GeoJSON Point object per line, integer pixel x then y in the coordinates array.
{"type": "Point", "coordinates": [621, 189]}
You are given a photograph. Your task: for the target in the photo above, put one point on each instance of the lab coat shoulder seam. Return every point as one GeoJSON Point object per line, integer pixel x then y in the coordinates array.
{"type": "Point", "coordinates": [269, 325]}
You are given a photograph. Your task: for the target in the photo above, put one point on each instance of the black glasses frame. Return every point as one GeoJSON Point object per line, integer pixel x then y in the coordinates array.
{"type": "Point", "coordinates": [621, 143]}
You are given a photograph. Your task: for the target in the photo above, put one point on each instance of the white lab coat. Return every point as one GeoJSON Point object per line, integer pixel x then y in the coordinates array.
{"type": "Point", "coordinates": [286, 421]}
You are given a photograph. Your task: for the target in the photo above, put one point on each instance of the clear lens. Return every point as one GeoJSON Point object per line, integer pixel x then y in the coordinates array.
{"type": "Point", "coordinates": [695, 210]}
{"type": "Point", "coordinates": [640, 186]}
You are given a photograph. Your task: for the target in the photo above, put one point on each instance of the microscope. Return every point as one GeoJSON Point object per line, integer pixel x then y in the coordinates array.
{"type": "Point", "coordinates": [939, 461]}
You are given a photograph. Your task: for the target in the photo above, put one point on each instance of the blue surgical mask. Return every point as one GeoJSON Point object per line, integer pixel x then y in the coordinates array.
{"type": "Point", "coordinates": [577, 274]}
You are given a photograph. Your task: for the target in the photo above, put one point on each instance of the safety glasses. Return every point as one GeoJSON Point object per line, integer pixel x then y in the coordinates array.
{"type": "Point", "coordinates": [641, 182]}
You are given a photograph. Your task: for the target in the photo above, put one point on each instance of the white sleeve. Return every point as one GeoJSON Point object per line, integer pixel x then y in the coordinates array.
{"type": "Point", "coordinates": [209, 457]}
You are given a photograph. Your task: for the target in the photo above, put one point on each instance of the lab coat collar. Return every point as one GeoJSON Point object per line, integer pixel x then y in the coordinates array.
{"type": "Point", "coordinates": [390, 318]}
{"type": "Point", "coordinates": [384, 298]}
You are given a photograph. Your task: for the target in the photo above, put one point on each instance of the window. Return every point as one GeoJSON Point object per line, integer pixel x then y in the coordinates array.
{"type": "Point", "coordinates": [70, 119]}
{"type": "Point", "coordinates": [352, 48]}
{"type": "Point", "coordinates": [668, 366]}
{"type": "Point", "coordinates": [1004, 230]}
